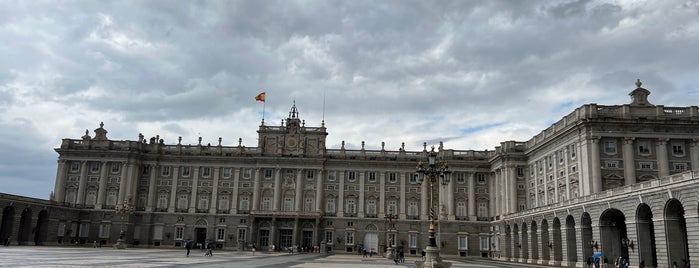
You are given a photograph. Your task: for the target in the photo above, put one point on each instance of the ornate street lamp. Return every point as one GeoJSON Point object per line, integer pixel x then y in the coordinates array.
{"type": "Point", "coordinates": [390, 251]}
{"type": "Point", "coordinates": [122, 210]}
{"type": "Point", "coordinates": [435, 172]}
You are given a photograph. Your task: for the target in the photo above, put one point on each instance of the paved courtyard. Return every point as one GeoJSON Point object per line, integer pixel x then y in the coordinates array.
{"type": "Point", "coordinates": [30, 256]}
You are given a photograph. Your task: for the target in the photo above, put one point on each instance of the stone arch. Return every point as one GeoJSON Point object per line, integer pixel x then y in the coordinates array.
{"type": "Point", "coordinates": [524, 245]}
{"type": "Point", "coordinates": [42, 227]}
{"type": "Point", "coordinates": [612, 229]}
{"type": "Point", "coordinates": [371, 227]}
{"type": "Point", "coordinates": [7, 223]}
{"type": "Point", "coordinates": [516, 246]}
{"type": "Point", "coordinates": [546, 244]}
{"type": "Point", "coordinates": [534, 238]}
{"type": "Point", "coordinates": [587, 241]}
{"type": "Point", "coordinates": [571, 240]}
{"type": "Point", "coordinates": [557, 240]}
{"type": "Point", "coordinates": [676, 232]}
{"type": "Point", "coordinates": [645, 232]}
{"type": "Point", "coordinates": [25, 227]}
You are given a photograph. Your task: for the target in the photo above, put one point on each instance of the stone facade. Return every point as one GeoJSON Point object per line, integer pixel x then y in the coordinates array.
{"type": "Point", "coordinates": [615, 180]}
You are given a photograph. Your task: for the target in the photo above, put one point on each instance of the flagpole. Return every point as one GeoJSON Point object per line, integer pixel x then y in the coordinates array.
{"type": "Point", "coordinates": [264, 103]}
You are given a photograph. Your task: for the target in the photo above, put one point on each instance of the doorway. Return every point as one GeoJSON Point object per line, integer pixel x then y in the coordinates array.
{"type": "Point", "coordinates": [200, 237]}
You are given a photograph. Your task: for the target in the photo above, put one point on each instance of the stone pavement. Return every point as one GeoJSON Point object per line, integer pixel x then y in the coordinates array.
{"type": "Point", "coordinates": [31, 256]}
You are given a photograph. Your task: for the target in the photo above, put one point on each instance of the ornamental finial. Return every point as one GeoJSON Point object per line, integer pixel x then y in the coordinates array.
{"type": "Point", "coordinates": [638, 83]}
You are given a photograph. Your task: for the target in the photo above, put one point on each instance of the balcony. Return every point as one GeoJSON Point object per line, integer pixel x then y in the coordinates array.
{"type": "Point", "coordinates": [222, 211]}
{"type": "Point", "coordinates": [371, 216]}
{"type": "Point", "coordinates": [330, 214]}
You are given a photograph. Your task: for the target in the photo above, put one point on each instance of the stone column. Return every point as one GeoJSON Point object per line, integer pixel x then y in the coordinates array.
{"type": "Point", "coordinates": [341, 196]}
{"type": "Point", "coordinates": [277, 189]}
{"type": "Point", "coordinates": [362, 179]}
{"type": "Point", "coordinates": [692, 225]}
{"type": "Point", "coordinates": [498, 194]}
{"type": "Point", "coordinates": [491, 196]}
{"type": "Point", "coordinates": [536, 184]}
{"type": "Point", "coordinates": [471, 196]}
{"type": "Point", "coordinates": [256, 190]}
{"type": "Point", "coordinates": [555, 178]}
{"type": "Point", "coordinates": [213, 205]}
{"type": "Point", "coordinates": [513, 188]}
{"type": "Point", "coordinates": [694, 154]}
{"type": "Point", "coordinates": [631, 233]}
{"type": "Point", "coordinates": [595, 171]}
{"type": "Point", "coordinates": [382, 195]}
{"type": "Point", "coordinates": [195, 189]}
{"type": "Point", "coordinates": [60, 186]}
{"type": "Point", "coordinates": [401, 202]}
{"type": "Point", "coordinates": [663, 163]}
{"type": "Point", "coordinates": [82, 183]}
{"type": "Point", "coordinates": [424, 199]}
{"type": "Point", "coordinates": [450, 200]}
{"type": "Point", "coordinates": [235, 198]}
{"type": "Point", "coordinates": [629, 162]}
{"type": "Point", "coordinates": [319, 196]}
{"type": "Point", "coordinates": [102, 190]}
{"type": "Point", "coordinates": [567, 172]}
{"type": "Point", "coordinates": [661, 249]}
{"type": "Point", "coordinates": [299, 191]}
{"type": "Point", "coordinates": [173, 190]}
{"type": "Point", "coordinates": [122, 184]}
{"type": "Point", "coordinates": [151, 188]}
{"type": "Point", "coordinates": [546, 181]}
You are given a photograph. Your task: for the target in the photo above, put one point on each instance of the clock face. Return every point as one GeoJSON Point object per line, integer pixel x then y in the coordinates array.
{"type": "Point", "coordinates": [291, 142]}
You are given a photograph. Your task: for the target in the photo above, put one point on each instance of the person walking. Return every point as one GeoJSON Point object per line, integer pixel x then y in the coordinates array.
{"type": "Point", "coordinates": [209, 249]}
{"type": "Point", "coordinates": [188, 246]}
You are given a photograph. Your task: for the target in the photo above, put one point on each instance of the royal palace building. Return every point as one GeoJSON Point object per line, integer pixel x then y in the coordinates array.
{"type": "Point", "coordinates": [616, 180]}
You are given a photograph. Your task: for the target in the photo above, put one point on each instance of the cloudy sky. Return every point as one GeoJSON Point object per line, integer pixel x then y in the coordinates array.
{"type": "Point", "coordinates": [469, 73]}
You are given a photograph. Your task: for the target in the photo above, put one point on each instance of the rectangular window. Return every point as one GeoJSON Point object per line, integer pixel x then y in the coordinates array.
{"type": "Point", "coordinates": [485, 243]}
{"type": "Point", "coordinates": [94, 167]}
{"type": "Point", "coordinates": [481, 178]}
{"type": "Point", "coordinates": [206, 172]}
{"type": "Point", "coordinates": [351, 176]}
{"type": "Point", "coordinates": [104, 230]}
{"type": "Point", "coordinates": [75, 167]}
{"type": "Point", "coordinates": [331, 175]}
{"type": "Point", "coordinates": [610, 146]}
{"type": "Point", "coordinates": [572, 151]}
{"type": "Point", "coordinates": [680, 166]}
{"type": "Point", "coordinates": [329, 237]}
{"type": "Point", "coordinates": [646, 165]}
{"type": "Point", "coordinates": [242, 235]}
{"type": "Point", "coordinates": [463, 243]}
{"type": "Point", "coordinates": [247, 173]}
{"type": "Point", "coordinates": [221, 234]}
{"type": "Point", "coordinates": [165, 171]}
{"type": "Point", "coordinates": [158, 232]}
{"type": "Point", "coordinates": [179, 233]}
{"type": "Point", "coordinates": [412, 240]}
{"type": "Point", "coordinates": [677, 149]}
{"type": "Point", "coordinates": [643, 147]}
{"type": "Point", "coordinates": [185, 171]}
{"type": "Point", "coordinates": [349, 238]}
{"type": "Point", "coordinates": [611, 164]}
{"type": "Point", "coordinates": [310, 174]}
{"type": "Point", "coordinates": [116, 167]}
{"type": "Point", "coordinates": [460, 177]}
{"type": "Point", "coordinates": [520, 172]}
{"type": "Point", "coordinates": [372, 177]}
{"type": "Point", "coordinates": [227, 172]}
{"type": "Point", "coordinates": [392, 177]}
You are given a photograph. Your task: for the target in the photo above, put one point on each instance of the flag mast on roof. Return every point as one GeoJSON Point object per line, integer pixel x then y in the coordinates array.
{"type": "Point", "coordinates": [261, 97]}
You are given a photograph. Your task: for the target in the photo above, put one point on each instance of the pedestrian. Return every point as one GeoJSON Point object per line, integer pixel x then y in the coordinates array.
{"type": "Point", "coordinates": [597, 262]}
{"type": "Point", "coordinates": [402, 257]}
{"type": "Point", "coordinates": [423, 254]}
{"type": "Point", "coordinates": [674, 264]}
{"type": "Point", "coordinates": [94, 244]}
{"type": "Point", "coordinates": [589, 262]}
{"type": "Point", "coordinates": [642, 264]}
{"type": "Point", "coordinates": [7, 242]}
{"type": "Point", "coordinates": [363, 252]}
{"type": "Point", "coordinates": [253, 249]}
{"type": "Point", "coordinates": [188, 246]}
{"type": "Point", "coordinates": [209, 249]}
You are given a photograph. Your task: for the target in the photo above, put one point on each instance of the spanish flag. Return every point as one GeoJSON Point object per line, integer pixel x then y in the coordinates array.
{"type": "Point", "coordinates": [260, 97]}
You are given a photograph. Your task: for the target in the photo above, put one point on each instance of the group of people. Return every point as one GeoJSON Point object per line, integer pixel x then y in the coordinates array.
{"type": "Point", "coordinates": [399, 258]}
{"type": "Point", "coordinates": [189, 244]}
{"type": "Point", "coordinates": [620, 262]}
{"type": "Point", "coordinates": [367, 253]}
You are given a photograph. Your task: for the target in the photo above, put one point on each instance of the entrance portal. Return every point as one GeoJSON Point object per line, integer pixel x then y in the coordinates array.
{"type": "Point", "coordinates": [201, 236]}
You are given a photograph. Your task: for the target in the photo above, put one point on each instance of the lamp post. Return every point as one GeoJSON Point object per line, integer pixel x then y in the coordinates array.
{"type": "Point", "coordinates": [435, 172]}
{"type": "Point", "coordinates": [390, 251]}
{"type": "Point", "coordinates": [122, 210]}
